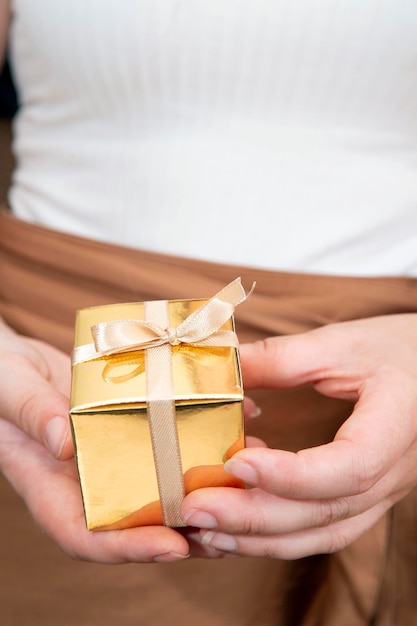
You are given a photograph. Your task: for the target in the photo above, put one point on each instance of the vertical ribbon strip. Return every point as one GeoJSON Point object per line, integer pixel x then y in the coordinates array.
{"type": "Point", "coordinates": [162, 419]}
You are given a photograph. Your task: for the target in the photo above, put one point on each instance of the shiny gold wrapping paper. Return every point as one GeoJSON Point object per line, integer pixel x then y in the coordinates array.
{"type": "Point", "coordinates": [111, 430]}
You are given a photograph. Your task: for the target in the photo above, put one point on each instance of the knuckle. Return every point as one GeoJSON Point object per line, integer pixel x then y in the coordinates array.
{"type": "Point", "coordinates": [265, 345]}
{"type": "Point", "coordinates": [254, 525]}
{"type": "Point", "coordinates": [33, 408]}
{"type": "Point", "coordinates": [365, 470]}
{"type": "Point", "coordinates": [75, 550]}
{"type": "Point", "coordinates": [337, 540]}
{"type": "Point", "coordinates": [366, 478]}
{"type": "Point", "coordinates": [74, 554]}
{"type": "Point", "coordinates": [27, 411]}
{"type": "Point", "coordinates": [256, 522]}
{"type": "Point", "coordinates": [271, 552]}
{"type": "Point", "coordinates": [332, 511]}
{"type": "Point", "coordinates": [282, 549]}
{"type": "Point", "coordinates": [267, 350]}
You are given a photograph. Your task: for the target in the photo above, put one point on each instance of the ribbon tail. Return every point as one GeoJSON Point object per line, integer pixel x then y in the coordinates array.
{"type": "Point", "coordinates": [86, 352]}
{"type": "Point", "coordinates": [234, 292]}
{"type": "Point", "coordinates": [209, 317]}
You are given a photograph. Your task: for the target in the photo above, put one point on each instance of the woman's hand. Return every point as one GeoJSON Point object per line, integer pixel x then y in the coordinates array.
{"type": "Point", "coordinates": [34, 390]}
{"type": "Point", "coordinates": [321, 499]}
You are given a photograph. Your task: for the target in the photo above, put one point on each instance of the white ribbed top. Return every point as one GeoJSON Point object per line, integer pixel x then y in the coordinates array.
{"type": "Point", "coordinates": [274, 133]}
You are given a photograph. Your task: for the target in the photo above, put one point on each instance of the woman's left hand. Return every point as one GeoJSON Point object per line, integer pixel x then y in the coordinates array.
{"type": "Point", "coordinates": [321, 499]}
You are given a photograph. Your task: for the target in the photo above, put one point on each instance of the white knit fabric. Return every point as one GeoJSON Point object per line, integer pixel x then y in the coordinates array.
{"type": "Point", "coordinates": [274, 133]}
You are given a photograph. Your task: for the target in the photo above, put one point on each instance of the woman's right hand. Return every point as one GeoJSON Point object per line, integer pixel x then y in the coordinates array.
{"type": "Point", "coordinates": [34, 390]}
{"type": "Point", "coordinates": [34, 428]}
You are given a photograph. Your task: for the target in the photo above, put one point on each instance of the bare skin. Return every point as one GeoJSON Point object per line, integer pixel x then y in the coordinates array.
{"type": "Point", "coordinates": [317, 500]}
{"type": "Point", "coordinates": [35, 384]}
{"type": "Point", "coordinates": [321, 499]}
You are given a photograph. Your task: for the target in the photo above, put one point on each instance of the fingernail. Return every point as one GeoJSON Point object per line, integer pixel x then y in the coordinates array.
{"type": "Point", "coordinates": [56, 433]}
{"type": "Point", "coordinates": [170, 557]}
{"type": "Point", "coordinates": [220, 541]}
{"type": "Point", "coordinates": [257, 412]}
{"type": "Point", "coordinates": [241, 470]}
{"type": "Point", "coordinates": [200, 519]}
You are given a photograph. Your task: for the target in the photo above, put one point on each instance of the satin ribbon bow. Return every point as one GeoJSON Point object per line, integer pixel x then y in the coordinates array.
{"type": "Point", "coordinates": [201, 328]}
{"type": "Point", "coordinates": [155, 336]}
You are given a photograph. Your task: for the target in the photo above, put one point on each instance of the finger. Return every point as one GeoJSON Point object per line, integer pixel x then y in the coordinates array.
{"type": "Point", "coordinates": [58, 370]}
{"type": "Point", "coordinates": [282, 361]}
{"type": "Point", "coordinates": [298, 544]}
{"type": "Point", "coordinates": [197, 549]}
{"type": "Point", "coordinates": [255, 442]}
{"type": "Point", "coordinates": [251, 409]}
{"type": "Point", "coordinates": [30, 400]}
{"type": "Point", "coordinates": [357, 459]}
{"type": "Point", "coordinates": [52, 493]}
{"type": "Point", "coordinates": [323, 357]}
{"type": "Point", "coordinates": [256, 512]}
{"type": "Point", "coordinates": [330, 471]}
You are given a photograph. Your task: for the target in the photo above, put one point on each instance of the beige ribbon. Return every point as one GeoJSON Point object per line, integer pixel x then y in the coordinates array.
{"type": "Point", "coordinates": [155, 336]}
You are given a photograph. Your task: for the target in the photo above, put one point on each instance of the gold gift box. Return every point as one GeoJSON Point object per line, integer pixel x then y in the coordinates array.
{"type": "Point", "coordinates": [110, 423]}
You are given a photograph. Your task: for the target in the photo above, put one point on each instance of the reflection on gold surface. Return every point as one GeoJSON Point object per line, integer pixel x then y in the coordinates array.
{"type": "Point", "coordinates": [116, 467]}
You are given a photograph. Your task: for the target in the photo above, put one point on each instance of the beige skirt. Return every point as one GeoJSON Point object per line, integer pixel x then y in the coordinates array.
{"type": "Point", "coordinates": [44, 277]}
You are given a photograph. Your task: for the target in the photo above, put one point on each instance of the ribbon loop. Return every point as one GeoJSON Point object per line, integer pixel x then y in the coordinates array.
{"type": "Point", "coordinates": [201, 328]}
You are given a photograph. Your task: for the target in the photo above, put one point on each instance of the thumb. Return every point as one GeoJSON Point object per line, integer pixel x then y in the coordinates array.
{"type": "Point", "coordinates": [35, 405]}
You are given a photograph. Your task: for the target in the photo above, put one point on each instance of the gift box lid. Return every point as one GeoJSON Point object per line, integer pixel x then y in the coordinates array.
{"type": "Point", "coordinates": [200, 374]}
